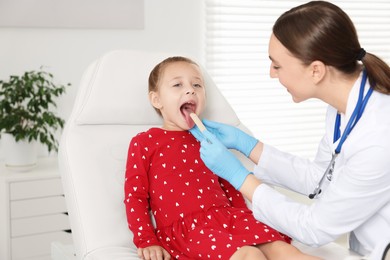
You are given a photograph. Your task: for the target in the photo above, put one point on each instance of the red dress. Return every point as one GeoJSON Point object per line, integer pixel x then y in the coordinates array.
{"type": "Point", "coordinates": [198, 215]}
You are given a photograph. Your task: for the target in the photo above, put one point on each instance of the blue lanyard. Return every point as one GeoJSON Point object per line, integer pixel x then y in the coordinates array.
{"type": "Point", "coordinates": [357, 113]}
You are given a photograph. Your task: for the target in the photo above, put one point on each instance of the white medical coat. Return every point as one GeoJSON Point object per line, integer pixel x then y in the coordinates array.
{"type": "Point", "coordinates": [357, 200]}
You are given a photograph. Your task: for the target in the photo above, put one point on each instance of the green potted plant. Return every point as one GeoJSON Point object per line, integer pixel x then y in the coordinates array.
{"type": "Point", "coordinates": [26, 116]}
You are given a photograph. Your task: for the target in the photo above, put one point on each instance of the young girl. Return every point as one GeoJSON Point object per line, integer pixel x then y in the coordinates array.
{"type": "Point", "coordinates": [198, 215]}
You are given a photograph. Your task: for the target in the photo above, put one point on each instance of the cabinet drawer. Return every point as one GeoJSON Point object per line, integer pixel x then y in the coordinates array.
{"type": "Point", "coordinates": [35, 188]}
{"type": "Point", "coordinates": [41, 224]}
{"type": "Point", "coordinates": [37, 245]}
{"type": "Point", "coordinates": [38, 207]}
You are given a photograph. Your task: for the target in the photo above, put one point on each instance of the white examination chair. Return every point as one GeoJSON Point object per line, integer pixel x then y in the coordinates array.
{"type": "Point", "coordinates": [111, 107]}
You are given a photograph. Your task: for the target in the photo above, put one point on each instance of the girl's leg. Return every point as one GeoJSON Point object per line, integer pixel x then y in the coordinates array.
{"type": "Point", "coordinates": [248, 253]}
{"type": "Point", "coordinates": [280, 250]}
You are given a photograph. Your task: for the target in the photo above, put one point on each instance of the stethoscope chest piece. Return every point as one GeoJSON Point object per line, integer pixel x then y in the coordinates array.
{"type": "Point", "coordinates": [329, 171]}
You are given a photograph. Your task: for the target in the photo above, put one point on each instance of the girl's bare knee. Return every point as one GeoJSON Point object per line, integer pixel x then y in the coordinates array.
{"type": "Point", "coordinates": [280, 250]}
{"type": "Point", "coordinates": [248, 253]}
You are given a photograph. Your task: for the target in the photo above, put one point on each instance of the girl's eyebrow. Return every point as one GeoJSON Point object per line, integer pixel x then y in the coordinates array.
{"type": "Point", "coordinates": [175, 78]}
{"type": "Point", "coordinates": [180, 77]}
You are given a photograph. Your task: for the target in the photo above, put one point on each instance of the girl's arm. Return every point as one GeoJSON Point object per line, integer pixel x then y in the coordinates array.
{"type": "Point", "coordinates": [136, 197]}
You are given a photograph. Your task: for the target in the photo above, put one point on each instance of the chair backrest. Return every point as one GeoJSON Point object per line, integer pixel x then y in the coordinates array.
{"type": "Point", "coordinates": [110, 108]}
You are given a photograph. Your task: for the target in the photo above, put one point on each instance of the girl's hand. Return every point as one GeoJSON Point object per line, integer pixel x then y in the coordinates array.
{"type": "Point", "coordinates": [153, 253]}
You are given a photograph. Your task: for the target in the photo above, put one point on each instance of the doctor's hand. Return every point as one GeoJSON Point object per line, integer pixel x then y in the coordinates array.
{"type": "Point", "coordinates": [153, 253]}
{"type": "Point", "coordinates": [230, 136]}
{"type": "Point", "coordinates": [221, 161]}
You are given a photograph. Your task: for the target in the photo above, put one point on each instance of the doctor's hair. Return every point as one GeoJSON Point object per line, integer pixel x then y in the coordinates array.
{"type": "Point", "coordinates": [322, 31]}
{"type": "Point", "coordinates": [158, 71]}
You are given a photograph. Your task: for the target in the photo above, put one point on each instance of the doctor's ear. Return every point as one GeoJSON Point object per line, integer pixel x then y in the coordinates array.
{"type": "Point", "coordinates": [318, 71]}
{"type": "Point", "coordinates": [154, 99]}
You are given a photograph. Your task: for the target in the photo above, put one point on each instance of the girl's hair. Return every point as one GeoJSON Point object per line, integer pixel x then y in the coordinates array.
{"type": "Point", "coordinates": [158, 71]}
{"type": "Point", "coordinates": [319, 30]}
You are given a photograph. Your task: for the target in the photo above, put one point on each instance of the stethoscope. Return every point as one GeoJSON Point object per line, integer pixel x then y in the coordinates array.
{"type": "Point", "coordinates": [356, 114]}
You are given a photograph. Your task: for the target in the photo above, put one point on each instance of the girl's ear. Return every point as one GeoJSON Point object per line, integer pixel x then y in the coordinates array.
{"type": "Point", "coordinates": [154, 99]}
{"type": "Point", "coordinates": [318, 71]}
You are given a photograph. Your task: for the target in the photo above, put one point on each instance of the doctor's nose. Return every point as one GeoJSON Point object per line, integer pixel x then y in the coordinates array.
{"type": "Point", "coordinates": [273, 72]}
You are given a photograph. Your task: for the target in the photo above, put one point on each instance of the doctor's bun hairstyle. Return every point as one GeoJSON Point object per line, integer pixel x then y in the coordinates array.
{"type": "Point", "coordinates": [158, 71]}
{"type": "Point", "coordinates": [322, 31]}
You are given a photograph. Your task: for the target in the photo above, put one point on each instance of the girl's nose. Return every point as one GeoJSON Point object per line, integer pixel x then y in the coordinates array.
{"type": "Point", "coordinates": [190, 92]}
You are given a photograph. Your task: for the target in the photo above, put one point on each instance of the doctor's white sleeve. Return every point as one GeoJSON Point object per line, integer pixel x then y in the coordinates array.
{"type": "Point", "coordinates": [359, 190]}
{"type": "Point", "coordinates": [292, 172]}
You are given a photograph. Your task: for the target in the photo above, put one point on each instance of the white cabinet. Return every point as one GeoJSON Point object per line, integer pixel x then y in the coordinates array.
{"type": "Point", "coordinates": [32, 212]}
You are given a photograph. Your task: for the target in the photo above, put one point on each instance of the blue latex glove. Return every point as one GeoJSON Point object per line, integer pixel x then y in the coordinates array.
{"type": "Point", "coordinates": [230, 136]}
{"type": "Point", "coordinates": [221, 161]}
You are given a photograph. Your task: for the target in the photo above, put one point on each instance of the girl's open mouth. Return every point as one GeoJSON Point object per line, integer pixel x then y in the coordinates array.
{"type": "Point", "coordinates": [186, 109]}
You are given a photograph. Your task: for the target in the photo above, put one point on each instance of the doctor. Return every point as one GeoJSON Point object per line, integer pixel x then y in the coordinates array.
{"type": "Point", "coordinates": [315, 53]}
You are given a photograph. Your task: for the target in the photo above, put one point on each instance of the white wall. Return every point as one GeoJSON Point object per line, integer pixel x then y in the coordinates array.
{"type": "Point", "coordinates": [170, 25]}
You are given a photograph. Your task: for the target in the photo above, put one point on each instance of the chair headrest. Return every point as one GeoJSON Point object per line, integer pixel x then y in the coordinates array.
{"type": "Point", "coordinates": [114, 90]}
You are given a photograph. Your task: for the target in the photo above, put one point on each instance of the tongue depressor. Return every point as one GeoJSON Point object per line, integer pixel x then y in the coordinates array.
{"type": "Point", "coordinates": [198, 122]}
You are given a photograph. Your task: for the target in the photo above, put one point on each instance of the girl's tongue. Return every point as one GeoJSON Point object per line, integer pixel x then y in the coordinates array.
{"type": "Point", "coordinates": [186, 110]}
